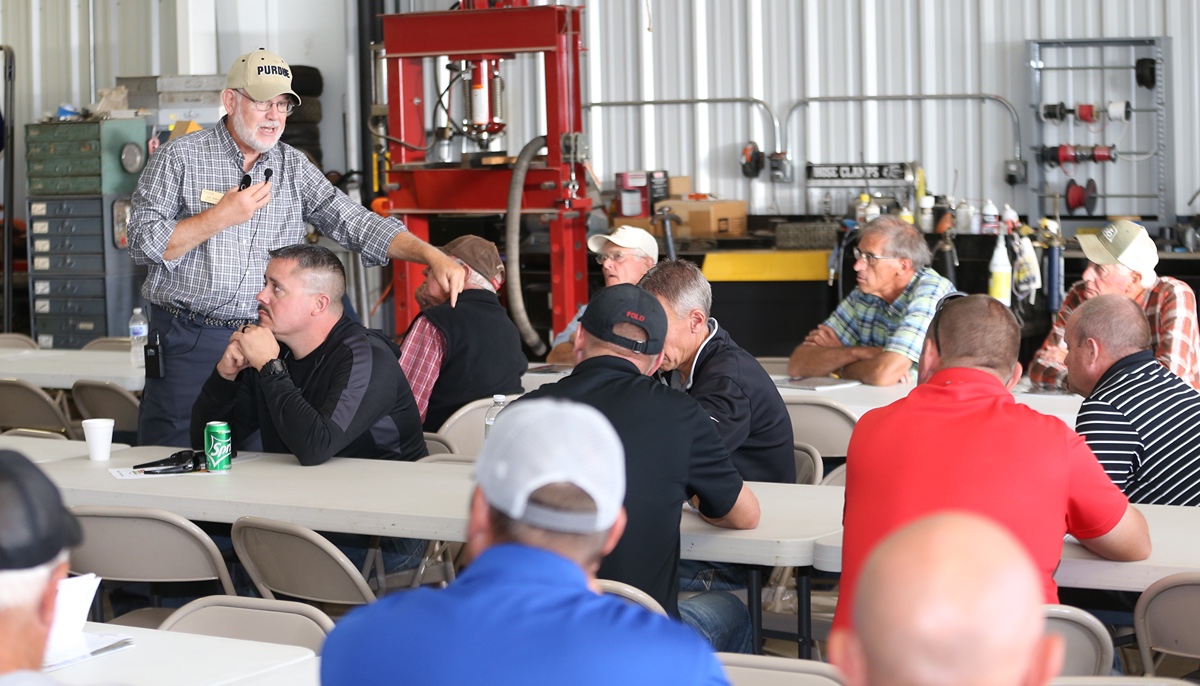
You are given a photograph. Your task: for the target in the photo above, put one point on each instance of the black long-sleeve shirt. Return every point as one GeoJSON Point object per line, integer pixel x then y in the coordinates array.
{"type": "Point", "coordinates": [347, 398]}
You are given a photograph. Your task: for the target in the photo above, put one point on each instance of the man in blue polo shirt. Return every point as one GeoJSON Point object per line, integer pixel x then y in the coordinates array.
{"type": "Point", "coordinates": [546, 509]}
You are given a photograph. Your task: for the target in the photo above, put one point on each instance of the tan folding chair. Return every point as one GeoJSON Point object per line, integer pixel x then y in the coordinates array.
{"type": "Point", "coordinates": [109, 343]}
{"type": "Point", "coordinates": [836, 477]}
{"type": "Point", "coordinates": [822, 423]}
{"type": "Point", "coordinates": [142, 544]}
{"type": "Point", "coordinates": [295, 561]}
{"type": "Point", "coordinates": [1089, 647]}
{"type": "Point", "coordinates": [1119, 681]}
{"type": "Point", "coordinates": [34, 433]}
{"type": "Point", "coordinates": [253, 619]}
{"type": "Point", "coordinates": [464, 428]}
{"type": "Point", "coordinates": [25, 406]}
{"type": "Point", "coordinates": [631, 594]}
{"type": "Point", "coordinates": [775, 366]}
{"type": "Point", "coordinates": [810, 468]}
{"type": "Point", "coordinates": [17, 341]}
{"type": "Point", "coordinates": [106, 399]}
{"type": "Point", "coordinates": [762, 670]}
{"type": "Point", "coordinates": [1165, 620]}
{"type": "Point", "coordinates": [449, 458]}
{"type": "Point", "coordinates": [437, 444]}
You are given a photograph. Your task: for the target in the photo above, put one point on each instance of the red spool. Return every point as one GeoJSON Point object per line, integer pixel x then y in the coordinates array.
{"type": "Point", "coordinates": [1066, 154]}
{"type": "Point", "coordinates": [1086, 113]}
{"type": "Point", "coordinates": [1104, 153]}
{"type": "Point", "coordinates": [1081, 196]}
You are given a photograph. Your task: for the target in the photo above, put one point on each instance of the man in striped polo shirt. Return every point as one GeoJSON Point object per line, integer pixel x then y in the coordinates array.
{"type": "Point", "coordinates": [1141, 420]}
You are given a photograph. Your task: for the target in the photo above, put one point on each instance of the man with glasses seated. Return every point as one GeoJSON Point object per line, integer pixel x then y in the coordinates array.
{"type": "Point", "coordinates": [208, 209]}
{"type": "Point", "coordinates": [875, 334]}
{"type": "Point", "coordinates": [452, 355]}
{"type": "Point", "coordinates": [1121, 261]}
{"type": "Point", "coordinates": [624, 256]}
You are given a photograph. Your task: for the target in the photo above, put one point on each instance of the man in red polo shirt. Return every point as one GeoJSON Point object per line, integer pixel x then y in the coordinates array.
{"type": "Point", "coordinates": [959, 441]}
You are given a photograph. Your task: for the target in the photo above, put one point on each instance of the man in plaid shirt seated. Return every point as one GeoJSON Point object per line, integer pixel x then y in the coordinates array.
{"type": "Point", "coordinates": [1121, 261]}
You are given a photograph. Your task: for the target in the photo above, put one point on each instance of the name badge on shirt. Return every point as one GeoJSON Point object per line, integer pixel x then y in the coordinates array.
{"type": "Point", "coordinates": [211, 197]}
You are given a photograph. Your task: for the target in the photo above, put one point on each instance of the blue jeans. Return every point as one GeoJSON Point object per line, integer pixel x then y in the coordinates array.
{"type": "Point", "coordinates": [399, 554]}
{"type": "Point", "coordinates": [721, 619]}
{"type": "Point", "coordinates": [698, 575]}
{"type": "Point", "coordinates": [190, 352]}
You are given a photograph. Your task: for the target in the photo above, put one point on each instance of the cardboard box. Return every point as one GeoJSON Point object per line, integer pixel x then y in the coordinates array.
{"type": "Point", "coordinates": [706, 218]}
{"type": "Point", "coordinates": [679, 186]}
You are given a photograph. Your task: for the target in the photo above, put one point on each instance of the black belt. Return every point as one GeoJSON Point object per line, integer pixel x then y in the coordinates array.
{"type": "Point", "coordinates": [206, 320]}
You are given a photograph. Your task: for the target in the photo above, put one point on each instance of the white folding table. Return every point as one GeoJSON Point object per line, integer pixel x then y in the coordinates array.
{"type": "Point", "coordinates": [48, 449]}
{"type": "Point", "coordinates": [421, 500]}
{"type": "Point", "coordinates": [179, 659]}
{"type": "Point", "coordinates": [60, 369]}
{"type": "Point", "coordinates": [1172, 537]}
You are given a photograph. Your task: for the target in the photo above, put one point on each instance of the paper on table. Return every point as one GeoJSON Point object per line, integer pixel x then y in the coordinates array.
{"type": "Point", "coordinates": [815, 383]}
{"type": "Point", "coordinates": [130, 473]}
{"type": "Point", "coordinates": [68, 643]}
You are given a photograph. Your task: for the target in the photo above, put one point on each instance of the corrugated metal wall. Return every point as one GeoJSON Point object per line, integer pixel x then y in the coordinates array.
{"type": "Point", "coordinates": [779, 51]}
{"type": "Point", "coordinates": [784, 51]}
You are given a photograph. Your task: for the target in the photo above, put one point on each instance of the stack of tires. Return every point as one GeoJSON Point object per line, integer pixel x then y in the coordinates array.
{"type": "Point", "coordinates": [303, 130]}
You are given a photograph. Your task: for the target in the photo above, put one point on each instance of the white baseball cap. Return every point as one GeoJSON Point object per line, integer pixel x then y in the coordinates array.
{"type": "Point", "coordinates": [1122, 242]}
{"type": "Point", "coordinates": [539, 442]}
{"type": "Point", "coordinates": [627, 237]}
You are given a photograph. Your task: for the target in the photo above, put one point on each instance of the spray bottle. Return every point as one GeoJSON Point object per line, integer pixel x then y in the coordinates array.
{"type": "Point", "coordinates": [1000, 268]}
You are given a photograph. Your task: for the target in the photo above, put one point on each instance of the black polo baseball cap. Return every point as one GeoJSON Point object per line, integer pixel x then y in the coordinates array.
{"type": "Point", "coordinates": [34, 524]}
{"type": "Point", "coordinates": [628, 304]}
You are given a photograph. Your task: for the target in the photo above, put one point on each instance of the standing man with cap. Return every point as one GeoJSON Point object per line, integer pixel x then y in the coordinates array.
{"type": "Point", "coordinates": [36, 531]}
{"type": "Point", "coordinates": [624, 256]}
{"type": "Point", "coordinates": [208, 209]}
{"type": "Point", "coordinates": [545, 510]}
{"type": "Point", "coordinates": [673, 455]}
{"type": "Point", "coordinates": [455, 354]}
{"type": "Point", "coordinates": [1121, 261]}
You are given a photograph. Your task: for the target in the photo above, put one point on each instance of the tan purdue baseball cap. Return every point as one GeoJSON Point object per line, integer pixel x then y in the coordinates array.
{"type": "Point", "coordinates": [263, 75]}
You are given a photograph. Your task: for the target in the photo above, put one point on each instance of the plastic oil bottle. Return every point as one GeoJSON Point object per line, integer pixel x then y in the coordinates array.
{"type": "Point", "coordinates": [1000, 277]}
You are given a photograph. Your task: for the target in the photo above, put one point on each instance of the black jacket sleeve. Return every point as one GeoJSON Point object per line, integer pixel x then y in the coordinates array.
{"type": "Point", "coordinates": [360, 390]}
{"type": "Point", "coordinates": [221, 400]}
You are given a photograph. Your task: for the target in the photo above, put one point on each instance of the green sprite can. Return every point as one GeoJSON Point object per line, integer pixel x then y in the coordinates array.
{"type": "Point", "coordinates": [218, 447]}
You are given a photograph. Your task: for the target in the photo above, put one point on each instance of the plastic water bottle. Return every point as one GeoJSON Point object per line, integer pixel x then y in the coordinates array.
{"type": "Point", "coordinates": [139, 329]}
{"type": "Point", "coordinates": [490, 418]}
{"type": "Point", "coordinates": [990, 219]}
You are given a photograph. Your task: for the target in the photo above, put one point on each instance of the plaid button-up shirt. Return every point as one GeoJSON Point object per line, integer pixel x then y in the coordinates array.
{"type": "Point", "coordinates": [897, 327]}
{"type": "Point", "coordinates": [1170, 307]}
{"type": "Point", "coordinates": [221, 277]}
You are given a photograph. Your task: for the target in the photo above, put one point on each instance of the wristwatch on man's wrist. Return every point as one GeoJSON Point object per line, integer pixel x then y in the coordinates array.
{"type": "Point", "coordinates": [273, 367]}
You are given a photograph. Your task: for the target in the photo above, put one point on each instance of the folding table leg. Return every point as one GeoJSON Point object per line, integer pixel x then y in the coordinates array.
{"type": "Point", "coordinates": [754, 605]}
{"type": "Point", "coordinates": [804, 612]}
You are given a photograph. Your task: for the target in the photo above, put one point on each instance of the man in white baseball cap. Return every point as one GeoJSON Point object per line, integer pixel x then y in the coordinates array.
{"type": "Point", "coordinates": [1121, 261]}
{"type": "Point", "coordinates": [208, 209]}
{"type": "Point", "coordinates": [625, 255]}
{"type": "Point", "coordinates": [548, 505]}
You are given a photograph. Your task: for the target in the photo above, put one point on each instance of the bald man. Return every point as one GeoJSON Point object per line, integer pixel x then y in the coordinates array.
{"type": "Point", "coordinates": [1138, 416]}
{"type": "Point", "coordinates": [950, 600]}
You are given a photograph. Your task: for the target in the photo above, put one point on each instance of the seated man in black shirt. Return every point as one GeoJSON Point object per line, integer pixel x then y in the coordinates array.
{"type": "Point", "coordinates": [673, 454]}
{"type": "Point", "coordinates": [312, 382]}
